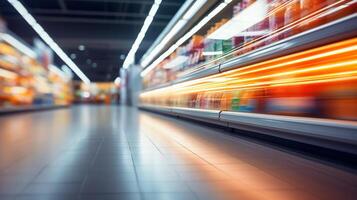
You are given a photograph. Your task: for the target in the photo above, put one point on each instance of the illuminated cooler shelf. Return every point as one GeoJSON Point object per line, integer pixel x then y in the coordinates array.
{"type": "Point", "coordinates": [297, 79]}
{"type": "Point", "coordinates": [310, 94]}
{"type": "Point", "coordinates": [335, 31]}
{"type": "Point", "coordinates": [336, 134]}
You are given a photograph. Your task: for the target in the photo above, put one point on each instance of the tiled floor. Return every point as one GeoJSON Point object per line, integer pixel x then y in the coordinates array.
{"type": "Point", "coordinates": [99, 152]}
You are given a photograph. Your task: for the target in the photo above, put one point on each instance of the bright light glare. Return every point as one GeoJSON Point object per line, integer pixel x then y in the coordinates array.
{"type": "Point", "coordinates": [178, 26]}
{"type": "Point", "coordinates": [49, 41]}
{"type": "Point", "coordinates": [7, 74]}
{"type": "Point", "coordinates": [212, 53]}
{"type": "Point", "coordinates": [85, 94]}
{"type": "Point", "coordinates": [130, 58]}
{"type": "Point", "coordinates": [187, 36]}
{"type": "Point", "coordinates": [17, 44]}
{"type": "Point", "coordinates": [175, 29]}
{"type": "Point", "coordinates": [239, 23]}
{"type": "Point", "coordinates": [194, 9]}
{"type": "Point", "coordinates": [117, 81]}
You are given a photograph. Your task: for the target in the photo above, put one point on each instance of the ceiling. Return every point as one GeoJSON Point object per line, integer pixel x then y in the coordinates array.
{"type": "Point", "coordinates": [106, 28]}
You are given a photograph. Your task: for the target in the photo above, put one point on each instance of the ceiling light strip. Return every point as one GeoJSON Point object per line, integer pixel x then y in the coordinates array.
{"type": "Point", "coordinates": [130, 58]}
{"type": "Point", "coordinates": [187, 36]}
{"type": "Point", "coordinates": [48, 40]}
{"type": "Point", "coordinates": [175, 29]}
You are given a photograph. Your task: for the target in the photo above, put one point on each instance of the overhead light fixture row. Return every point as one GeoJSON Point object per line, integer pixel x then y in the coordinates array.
{"type": "Point", "coordinates": [175, 29]}
{"type": "Point", "coordinates": [130, 58]}
{"type": "Point", "coordinates": [47, 39]}
{"type": "Point", "coordinates": [187, 36]}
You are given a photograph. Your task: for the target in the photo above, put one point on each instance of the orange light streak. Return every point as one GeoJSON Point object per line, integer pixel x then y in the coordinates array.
{"type": "Point", "coordinates": [323, 64]}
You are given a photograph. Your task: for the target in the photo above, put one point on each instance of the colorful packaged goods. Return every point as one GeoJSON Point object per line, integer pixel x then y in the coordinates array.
{"type": "Point", "coordinates": [284, 19]}
{"type": "Point", "coordinates": [237, 41]}
{"type": "Point", "coordinates": [235, 100]}
{"type": "Point", "coordinates": [226, 101]}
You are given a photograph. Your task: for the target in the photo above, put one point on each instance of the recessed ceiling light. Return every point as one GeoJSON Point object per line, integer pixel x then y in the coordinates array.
{"type": "Point", "coordinates": [81, 47]}
{"type": "Point", "coordinates": [94, 65]}
{"type": "Point", "coordinates": [73, 56]}
{"type": "Point", "coordinates": [89, 61]}
{"type": "Point", "coordinates": [122, 57]}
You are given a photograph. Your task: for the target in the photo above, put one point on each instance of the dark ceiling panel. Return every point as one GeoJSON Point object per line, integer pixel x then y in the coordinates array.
{"type": "Point", "coordinates": [107, 28]}
{"type": "Point", "coordinates": [48, 4]}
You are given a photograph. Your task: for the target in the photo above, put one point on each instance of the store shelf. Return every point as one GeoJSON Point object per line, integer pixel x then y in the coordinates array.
{"type": "Point", "coordinates": [160, 109]}
{"type": "Point", "coordinates": [201, 113]}
{"type": "Point", "coordinates": [336, 134]}
{"type": "Point", "coordinates": [336, 130]}
{"type": "Point", "coordinates": [205, 71]}
{"type": "Point", "coordinates": [332, 32]}
{"type": "Point", "coordinates": [20, 109]}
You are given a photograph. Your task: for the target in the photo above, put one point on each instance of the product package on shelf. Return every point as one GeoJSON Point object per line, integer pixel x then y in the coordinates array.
{"type": "Point", "coordinates": [314, 83]}
{"type": "Point", "coordinates": [24, 81]}
{"type": "Point", "coordinates": [254, 24]}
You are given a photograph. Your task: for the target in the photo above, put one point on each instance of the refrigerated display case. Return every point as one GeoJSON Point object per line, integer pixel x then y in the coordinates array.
{"type": "Point", "coordinates": [276, 66]}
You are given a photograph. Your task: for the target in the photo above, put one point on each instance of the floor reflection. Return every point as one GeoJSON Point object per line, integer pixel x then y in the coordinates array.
{"type": "Point", "coordinates": [110, 152]}
{"type": "Point", "coordinates": [217, 166]}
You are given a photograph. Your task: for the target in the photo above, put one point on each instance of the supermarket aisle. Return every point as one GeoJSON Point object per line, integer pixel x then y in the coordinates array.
{"type": "Point", "coordinates": [99, 152]}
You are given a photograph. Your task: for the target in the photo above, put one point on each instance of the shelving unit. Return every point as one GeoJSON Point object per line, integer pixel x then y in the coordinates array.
{"type": "Point", "coordinates": [303, 103]}
{"type": "Point", "coordinates": [25, 82]}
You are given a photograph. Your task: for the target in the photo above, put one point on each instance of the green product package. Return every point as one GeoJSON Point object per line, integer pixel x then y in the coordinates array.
{"type": "Point", "coordinates": [235, 101]}
{"type": "Point", "coordinates": [226, 46]}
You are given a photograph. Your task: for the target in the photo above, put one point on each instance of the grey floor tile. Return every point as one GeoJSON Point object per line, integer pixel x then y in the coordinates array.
{"type": "Point", "coordinates": [120, 196]}
{"type": "Point", "coordinates": [11, 188]}
{"type": "Point", "coordinates": [7, 197]}
{"type": "Point", "coordinates": [109, 187]}
{"type": "Point", "coordinates": [107, 153]}
{"type": "Point", "coordinates": [170, 196]}
{"type": "Point", "coordinates": [47, 197]}
{"type": "Point", "coordinates": [53, 188]}
{"type": "Point", "coordinates": [163, 186]}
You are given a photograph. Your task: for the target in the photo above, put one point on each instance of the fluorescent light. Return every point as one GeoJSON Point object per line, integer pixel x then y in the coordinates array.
{"type": "Point", "coordinates": [7, 74]}
{"type": "Point", "coordinates": [212, 53]}
{"type": "Point", "coordinates": [175, 29]}
{"type": "Point", "coordinates": [187, 36]}
{"type": "Point", "coordinates": [117, 81]}
{"type": "Point", "coordinates": [130, 58]}
{"type": "Point", "coordinates": [241, 22]}
{"type": "Point", "coordinates": [73, 56]}
{"type": "Point", "coordinates": [194, 9]}
{"type": "Point", "coordinates": [18, 45]}
{"type": "Point", "coordinates": [49, 41]}
{"type": "Point", "coordinates": [81, 47]}
{"type": "Point", "coordinates": [178, 26]}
